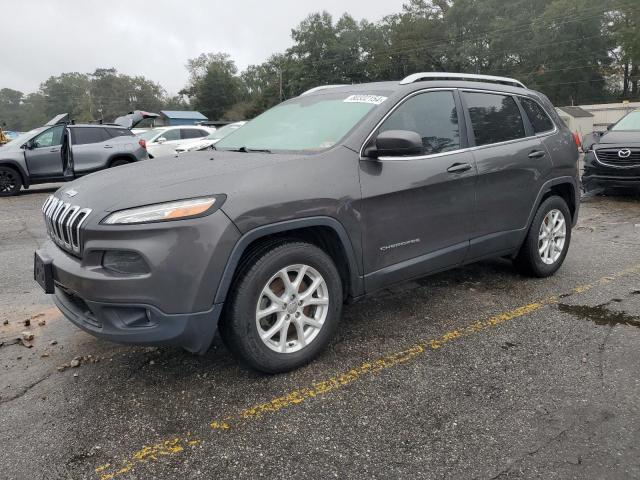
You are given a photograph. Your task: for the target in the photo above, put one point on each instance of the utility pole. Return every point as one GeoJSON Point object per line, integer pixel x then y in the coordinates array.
{"type": "Point", "coordinates": [280, 77]}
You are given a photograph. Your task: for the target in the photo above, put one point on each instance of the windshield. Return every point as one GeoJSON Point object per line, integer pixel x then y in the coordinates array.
{"type": "Point", "coordinates": [304, 123]}
{"type": "Point", "coordinates": [149, 134]}
{"type": "Point", "coordinates": [630, 122]}
{"type": "Point", "coordinates": [20, 139]}
{"type": "Point", "coordinates": [222, 132]}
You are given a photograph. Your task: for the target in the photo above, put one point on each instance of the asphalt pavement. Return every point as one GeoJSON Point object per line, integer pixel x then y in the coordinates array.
{"type": "Point", "coordinates": [474, 373]}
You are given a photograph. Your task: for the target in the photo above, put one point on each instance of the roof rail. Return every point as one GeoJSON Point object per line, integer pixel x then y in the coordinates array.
{"type": "Point", "coordinates": [417, 77]}
{"type": "Point", "coordinates": [322, 87]}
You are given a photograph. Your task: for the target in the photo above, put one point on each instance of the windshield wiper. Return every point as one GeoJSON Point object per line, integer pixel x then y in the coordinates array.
{"type": "Point", "coordinates": [250, 150]}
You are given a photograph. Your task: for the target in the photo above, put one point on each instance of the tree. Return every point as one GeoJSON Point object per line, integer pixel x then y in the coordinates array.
{"type": "Point", "coordinates": [213, 84]}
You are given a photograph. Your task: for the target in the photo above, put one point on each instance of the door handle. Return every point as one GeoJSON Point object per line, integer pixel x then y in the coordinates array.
{"type": "Point", "coordinates": [108, 146]}
{"type": "Point", "coordinates": [537, 154]}
{"type": "Point", "coordinates": [54, 150]}
{"type": "Point", "coordinates": [459, 168]}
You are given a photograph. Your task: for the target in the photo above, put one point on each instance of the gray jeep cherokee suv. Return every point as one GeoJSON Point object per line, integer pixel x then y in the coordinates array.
{"type": "Point", "coordinates": [61, 151]}
{"type": "Point", "coordinates": [324, 198]}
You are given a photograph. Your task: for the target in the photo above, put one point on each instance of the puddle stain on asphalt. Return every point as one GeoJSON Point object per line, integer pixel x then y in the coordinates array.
{"type": "Point", "coordinates": [601, 314]}
{"type": "Point", "coordinates": [336, 382]}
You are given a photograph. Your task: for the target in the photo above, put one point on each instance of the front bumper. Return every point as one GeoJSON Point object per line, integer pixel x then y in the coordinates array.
{"type": "Point", "coordinates": [598, 176]}
{"type": "Point", "coordinates": [139, 324]}
{"type": "Point", "coordinates": [171, 304]}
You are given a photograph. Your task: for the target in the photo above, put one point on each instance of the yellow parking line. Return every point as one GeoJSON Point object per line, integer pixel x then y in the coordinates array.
{"type": "Point", "coordinates": [177, 445]}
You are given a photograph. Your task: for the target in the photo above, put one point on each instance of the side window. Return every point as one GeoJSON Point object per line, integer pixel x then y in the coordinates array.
{"type": "Point", "coordinates": [119, 132]}
{"type": "Point", "coordinates": [433, 116]}
{"type": "Point", "coordinates": [88, 135]}
{"type": "Point", "coordinates": [537, 116]}
{"type": "Point", "coordinates": [191, 133]}
{"type": "Point", "coordinates": [495, 118]}
{"type": "Point", "coordinates": [169, 135]}
{"type": "Point", "coordinates": [49, 138]}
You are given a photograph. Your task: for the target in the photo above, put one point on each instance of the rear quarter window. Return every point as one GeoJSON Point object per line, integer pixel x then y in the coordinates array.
{"type": "Point", "coordinates": [119, 132]}
{"type": "Point", "coordinates": [537, 116]}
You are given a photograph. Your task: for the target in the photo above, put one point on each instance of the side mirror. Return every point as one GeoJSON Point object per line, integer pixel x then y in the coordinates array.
{"type": "Point", "coordinates": [609, 127]}
{"type": "Point", "coordinates": [161, 140]}
{"type": "Point", "coordinates": [30, 145]}
{"type": "Point", "coordinates": [396, 143]}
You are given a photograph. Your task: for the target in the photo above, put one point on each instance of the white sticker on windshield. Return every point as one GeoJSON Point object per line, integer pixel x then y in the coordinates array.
{"type": "Point", "coordinates": [375, 99]}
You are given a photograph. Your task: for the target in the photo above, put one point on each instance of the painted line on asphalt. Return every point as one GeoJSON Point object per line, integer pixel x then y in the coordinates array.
{"type": "Point", "coordinates": [177, 445]}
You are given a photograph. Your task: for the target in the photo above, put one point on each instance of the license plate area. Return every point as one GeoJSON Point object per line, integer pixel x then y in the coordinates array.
{"type": "Point", "coordinates": [43, 272]}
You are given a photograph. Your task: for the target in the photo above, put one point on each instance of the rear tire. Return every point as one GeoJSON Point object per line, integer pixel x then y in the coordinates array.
{"type": "Point", "coordinates": [301, 321]}
{"type": "Point", "coordinates": [10, 181]}
{"type": "Point", "coordinates": [545, 247]}
{"type": "Point", "coordinates": [119, 161]}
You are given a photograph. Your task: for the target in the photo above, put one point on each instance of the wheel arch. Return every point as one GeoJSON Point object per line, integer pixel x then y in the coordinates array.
{"type": "Point", "coordinates": [121, 156]}
{"type": "Point", "coordinates": [24, 176]}
{"type": "Point", "coordinates": [325, 232]}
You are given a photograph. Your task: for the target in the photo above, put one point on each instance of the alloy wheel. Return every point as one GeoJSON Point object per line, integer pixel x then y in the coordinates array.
{"type": "Point", "coordinates": [8, 181]}
{"type": "Point", "coordinates": [292, 308]}
{"type": "Point", "coordinates": [552, 235]}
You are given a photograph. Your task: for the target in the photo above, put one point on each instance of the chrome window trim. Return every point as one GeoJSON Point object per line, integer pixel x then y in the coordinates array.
{"type": "Point", "coordinates": [460, 150]}
{"type": "Point", "coordinates": [610, 165]}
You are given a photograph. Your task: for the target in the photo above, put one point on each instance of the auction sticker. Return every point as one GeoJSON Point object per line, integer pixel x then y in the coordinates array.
{"type": "Point", "coordinates": [374, 99]}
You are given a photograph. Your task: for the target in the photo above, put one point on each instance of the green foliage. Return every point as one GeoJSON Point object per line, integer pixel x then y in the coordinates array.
{"type": "Point", "coordinates": [574, 51]}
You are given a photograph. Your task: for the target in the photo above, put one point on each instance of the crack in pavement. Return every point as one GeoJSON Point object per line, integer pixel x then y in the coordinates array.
{"type": "Point", "coordinates": [24, 390]}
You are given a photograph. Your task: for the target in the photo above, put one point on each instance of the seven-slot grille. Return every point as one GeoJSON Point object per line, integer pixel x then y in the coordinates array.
{"type": "Point", "coordinates": [630, 157]}
{"type": "Point", "coordinates": [63, 222]}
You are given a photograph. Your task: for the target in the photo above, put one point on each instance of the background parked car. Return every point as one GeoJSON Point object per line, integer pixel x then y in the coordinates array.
{"type": "Point", "coordinates": [613, 158]}
{"type": "Point", "coordinates": [210, 140]}
{"type": "Point", "coordinates": [60, 151]}
{"type": "Point", "coordinates": [164, 140]}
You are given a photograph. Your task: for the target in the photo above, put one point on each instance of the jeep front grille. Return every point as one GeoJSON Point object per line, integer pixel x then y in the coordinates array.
{"type": "Point", "coordinates": [612, 157]}
{"type": "Point", "coordinates": [63, 222]}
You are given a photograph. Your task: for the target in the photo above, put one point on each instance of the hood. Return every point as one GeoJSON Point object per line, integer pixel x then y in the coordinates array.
{"type": "Point", "coordinates": [620, 137]}
{"type": "Point", "coordinates": [193, 174]}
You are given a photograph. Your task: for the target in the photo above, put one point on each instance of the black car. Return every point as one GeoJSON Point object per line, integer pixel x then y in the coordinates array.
{"type": "Point", "coordinates": [613, 159]}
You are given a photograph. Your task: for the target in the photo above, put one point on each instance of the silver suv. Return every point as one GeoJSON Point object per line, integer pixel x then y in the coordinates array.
{"type": "Point", "coordinates": [61, 151]}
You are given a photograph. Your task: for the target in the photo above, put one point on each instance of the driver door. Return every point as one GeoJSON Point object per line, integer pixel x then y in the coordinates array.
{"type": "Point", "coordinates": [418, 210]}
{"type": "Point", "coordinates": [44, 153]}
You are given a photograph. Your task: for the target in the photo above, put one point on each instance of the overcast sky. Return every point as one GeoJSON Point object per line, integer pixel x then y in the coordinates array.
{"type": "Point", "coordinates": [40, 38]}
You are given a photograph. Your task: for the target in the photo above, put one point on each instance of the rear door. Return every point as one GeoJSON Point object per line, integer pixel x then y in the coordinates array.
{"type": "Point", "coordinates": [417, 211]}
{"type": "Point", "coordinates": [91, 147]}
{"type": "Point", "coordinates": [44, 158]}
{"type": "Point", "coordinates": [512, 166]}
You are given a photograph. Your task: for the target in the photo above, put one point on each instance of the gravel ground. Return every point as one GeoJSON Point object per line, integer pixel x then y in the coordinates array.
{"type": "Point", "coordinates": [474, 373]}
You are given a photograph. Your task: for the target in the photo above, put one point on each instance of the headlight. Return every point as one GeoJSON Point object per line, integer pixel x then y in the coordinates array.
{"type": "Point", "coordinates": [162, 212]}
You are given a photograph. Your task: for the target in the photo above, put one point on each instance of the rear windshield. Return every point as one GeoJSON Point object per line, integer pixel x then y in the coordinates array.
{"type": "Point", "coordinates": [630, 122]}
{"type": "Point", "coordinates": [307, 123]}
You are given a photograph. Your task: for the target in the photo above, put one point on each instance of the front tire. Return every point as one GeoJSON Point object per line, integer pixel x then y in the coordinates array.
{"type": "Point", "coordinates": [547, 242]}
{"type": "Point", "coordinates": [10, 182]}
{"type": "Point", "coordinates": [284, 308]}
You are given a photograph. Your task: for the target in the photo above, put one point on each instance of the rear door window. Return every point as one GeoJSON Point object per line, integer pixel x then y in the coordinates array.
{"type": "Point", "coordinates": [433, 116]}
{"type": "Point", "coordinates": [88, 135]}
{"type": "Point", "coordinates": [495, 118]}
{"type": "Point", "coordinates": [188, 133]}
{"type": "Point", "coordinates": [170, 135]}
{"type": "Point", "coordinates": [537, 116]}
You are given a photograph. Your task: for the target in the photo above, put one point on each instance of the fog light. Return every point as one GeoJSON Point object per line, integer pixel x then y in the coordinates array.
{"type": "Point", "coordinates": [120, 261]}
